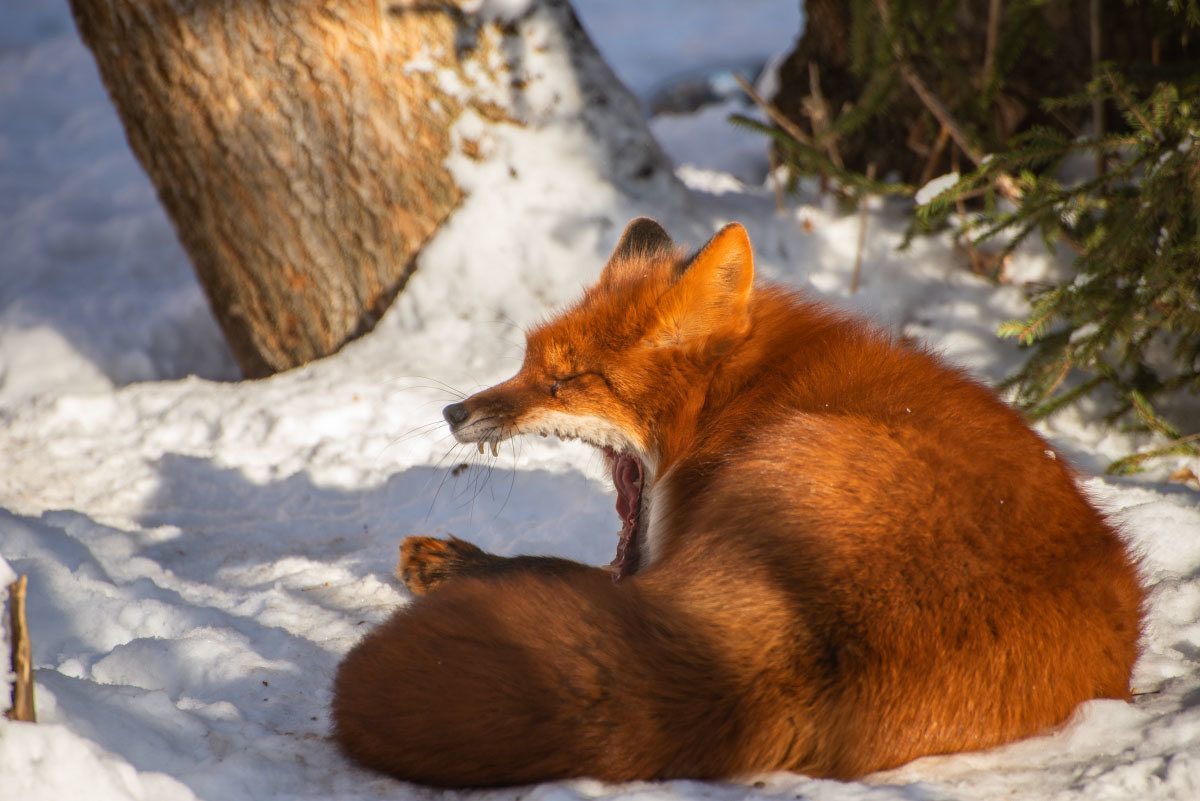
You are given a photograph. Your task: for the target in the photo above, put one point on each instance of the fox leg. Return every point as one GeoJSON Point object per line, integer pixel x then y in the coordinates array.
{"type": "Point", "coordinates": [427, 562]}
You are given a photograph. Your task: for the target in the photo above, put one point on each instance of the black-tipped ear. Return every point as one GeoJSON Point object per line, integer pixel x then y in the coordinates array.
{"type": "Point", "coordinates": [643, 237]}
{"type": "Point", "coordinates": [644, 240]}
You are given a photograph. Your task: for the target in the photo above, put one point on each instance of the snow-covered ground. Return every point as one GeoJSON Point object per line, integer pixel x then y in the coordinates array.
{"type": "Point", "coordinates": [201, 551]}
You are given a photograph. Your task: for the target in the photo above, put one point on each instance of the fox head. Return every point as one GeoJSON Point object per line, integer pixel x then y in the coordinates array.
{"type": "Point", "coordinates": [624, 368]}
{"type": "Point", "coordinates": [628, 367]}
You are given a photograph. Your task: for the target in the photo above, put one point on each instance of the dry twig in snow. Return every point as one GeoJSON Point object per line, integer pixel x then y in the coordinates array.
{"type": "Point", "coordinates": [22, 654]}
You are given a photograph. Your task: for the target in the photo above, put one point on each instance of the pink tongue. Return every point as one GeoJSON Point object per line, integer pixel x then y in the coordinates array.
{"type": "Point", "coordinates": [627, 478]}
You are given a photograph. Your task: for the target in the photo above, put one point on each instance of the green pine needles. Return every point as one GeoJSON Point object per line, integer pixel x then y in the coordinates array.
{"type": "Point", "coordinates": [1124, 330]}
{"type": "Point", "coordinates": [1128, 323]}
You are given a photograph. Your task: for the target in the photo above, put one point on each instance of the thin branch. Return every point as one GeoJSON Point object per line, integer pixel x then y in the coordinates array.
{"type": "Point", "coordinates": [862, 231]}
{"type": "Point", "coordinates": [820, 116]}
{"type": "Point", "coordinates": [1131, 463]}
{"type": "Point", "coordinates": [927, 97]}
{"type": "Point", "coordinates": [995, 11]}
{"type": "Point", "coordinates": [776, 184]}
{"type": "Point", "coordinates": [22, 654]}
{"type": "Point", "coordinates": [938, 110]}
{"type": "Point", "coordinates": [1125, 101]}
{"type": "Point", "coordinates": [1066, 368]}
{"type": "Point", "coordinates": [1025, 335]}
{"type": "Point", "coordinates": [939, 147]}
{"type": "Point", "coordinates": [1097, 103]}
{"type": "Point", "coordinates": [960, 207]}
{"type": "Point", "coordinates": [772, 111]}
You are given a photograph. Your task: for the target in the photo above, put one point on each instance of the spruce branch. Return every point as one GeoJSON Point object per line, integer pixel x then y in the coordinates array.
{"type": "Point", "coordinates": [1133, 463]}
{"type": "Point", "coordinates": [1046, 408]}
{"type": "Point", "coordinates": [1126, 104]}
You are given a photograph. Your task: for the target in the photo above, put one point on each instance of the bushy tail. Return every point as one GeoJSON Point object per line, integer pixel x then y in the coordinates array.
{"type": "Point", "coordinates": [533, 677]}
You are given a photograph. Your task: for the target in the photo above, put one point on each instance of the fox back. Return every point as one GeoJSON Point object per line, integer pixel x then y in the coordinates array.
{"type": "Point", "coordinates": [837, 554]}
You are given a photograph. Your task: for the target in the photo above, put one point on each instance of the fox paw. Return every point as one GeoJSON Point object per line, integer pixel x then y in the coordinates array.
{"type": "Point", "coordinates": [425, 562]}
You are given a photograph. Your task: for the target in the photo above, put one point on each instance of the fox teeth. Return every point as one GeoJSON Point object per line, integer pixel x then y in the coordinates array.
{"type": "Point", "coordinates": [495, 449]}
{"type": "Point", "coordinates": [480, 444]}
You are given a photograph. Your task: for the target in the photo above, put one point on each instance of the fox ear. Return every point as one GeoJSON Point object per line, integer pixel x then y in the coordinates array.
{"type": "Point", "coordinates": [643, 239]}
{"type": "Point", "coordinates": [711, 296]}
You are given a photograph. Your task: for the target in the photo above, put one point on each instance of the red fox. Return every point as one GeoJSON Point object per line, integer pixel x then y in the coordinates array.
{"type": "Point", "coordinates": [837, 554]}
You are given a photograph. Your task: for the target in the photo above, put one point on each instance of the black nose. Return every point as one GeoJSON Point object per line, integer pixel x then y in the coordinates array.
{"type": "Point", "coordinates": [456, 414]}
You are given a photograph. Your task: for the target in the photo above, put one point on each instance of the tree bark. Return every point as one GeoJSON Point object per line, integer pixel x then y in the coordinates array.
{"type": "Point", "coordinates": [299, 147]}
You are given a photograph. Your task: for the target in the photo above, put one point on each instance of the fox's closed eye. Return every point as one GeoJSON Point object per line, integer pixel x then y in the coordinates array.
{"type": "Point", "coordinates": [558, 383]}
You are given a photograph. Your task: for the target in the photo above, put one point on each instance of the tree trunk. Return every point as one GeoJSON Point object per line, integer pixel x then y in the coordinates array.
{"type": "Point", "coordinates": [299, 147]}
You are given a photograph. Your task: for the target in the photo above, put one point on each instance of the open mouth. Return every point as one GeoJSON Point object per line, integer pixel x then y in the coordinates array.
{"type": "Point", "coordinates": [628, 477]}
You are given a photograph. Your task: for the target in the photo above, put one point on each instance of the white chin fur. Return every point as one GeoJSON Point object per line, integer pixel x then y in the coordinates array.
{"type": "Point", "coordinates": [595, 431]}
{"type": "Point", "coordinates": [652, 531]}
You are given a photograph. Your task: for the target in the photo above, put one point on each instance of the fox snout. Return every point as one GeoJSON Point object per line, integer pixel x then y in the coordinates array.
{"type": "Point", "coordinates": [456, 414]}
{"type": "Point", "coordinates": [485, 418]}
